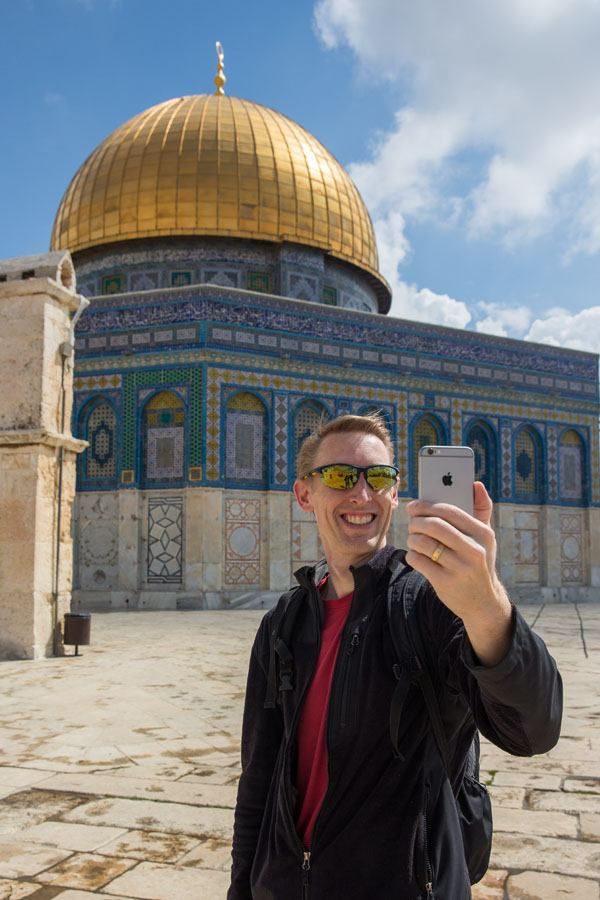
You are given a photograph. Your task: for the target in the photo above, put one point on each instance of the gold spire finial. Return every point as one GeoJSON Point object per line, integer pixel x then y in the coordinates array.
{"type": "Point", "coordinates": [220, 76]}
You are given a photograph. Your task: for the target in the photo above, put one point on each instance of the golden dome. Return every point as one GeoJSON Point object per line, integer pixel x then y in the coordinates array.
{"type": "Point", "coordinates": [217, 165]}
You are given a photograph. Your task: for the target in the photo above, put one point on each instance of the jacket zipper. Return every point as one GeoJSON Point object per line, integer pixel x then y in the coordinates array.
{"type": "Point", "coordinates": [346, 692]}
{"type": "Point", "coordinates": [305, 873]}
{"type": "Point", "coordinates": [428, 869]}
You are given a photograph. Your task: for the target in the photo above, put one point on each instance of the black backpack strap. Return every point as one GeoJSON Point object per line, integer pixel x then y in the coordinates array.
{"type": "Point", "coordinates": [280, 632]}
{"type": "Point", "coordinates": [403, 592]}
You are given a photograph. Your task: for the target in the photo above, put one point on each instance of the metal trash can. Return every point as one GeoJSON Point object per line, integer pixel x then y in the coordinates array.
{"type": "Point", "coordinates": [77, 630]}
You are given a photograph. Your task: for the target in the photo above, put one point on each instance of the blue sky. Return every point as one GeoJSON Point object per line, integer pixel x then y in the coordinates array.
{"type": "Point", "coordinates": [472, 130]}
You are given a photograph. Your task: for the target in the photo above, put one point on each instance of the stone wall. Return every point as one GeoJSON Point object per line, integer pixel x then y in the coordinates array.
{"type": "Point", "coordinates": [207, 547]}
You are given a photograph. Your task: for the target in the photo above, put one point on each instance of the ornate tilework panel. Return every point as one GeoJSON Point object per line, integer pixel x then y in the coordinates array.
{"type": "Point", "coordinates": [164, 434]}
{"type": "Point", "coordinates": [427, 430]}
{"type": "Point", "coordinates": [165, 540]}
{"type": "Point", "coordinates": [144, 281]}
{"type": "Point", "coordinates": [134, 387]}
{"type": "Point", "coordinates": [303, 287]}
{"type": "Point", "coordinates": [259, 281]}
{"type": "Point", "coordinates": [572, 557]}
{"type": "Point", "coordinates": [181, 278]}
{"type": "Point", "coordinates": [281, 439]}
{"type": "Point", "coordinates": [552, 462]}
{"type": "Point", "coordinates": [571, 466]}
{"type": "Point", "coordinates": [97, 541]}
{"type": "Point", "coordinates": [224, 277]}
{"type": "Point", "coordinates": [506, 450]}
{"type": "Point", "coordinates": [245, 456]}
{"type": "Point", "coordinates": [528, 471]}
{"type": "Point", "coordinates": [482, 442]}
{"type": "Point", "coordinates": [99, 428]}
{"type": "Point", "coordinates": [164, 456]}
{"type": "Point", "coordinates": [527, 547]}
{"type": "Point", "coordinates": [242, 542]}
{"type": "Point", "coordinates": [308, 416]}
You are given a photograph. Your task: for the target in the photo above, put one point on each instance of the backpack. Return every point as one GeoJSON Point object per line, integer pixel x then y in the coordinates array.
{"type": "Point", "coordinates": [473, 802]}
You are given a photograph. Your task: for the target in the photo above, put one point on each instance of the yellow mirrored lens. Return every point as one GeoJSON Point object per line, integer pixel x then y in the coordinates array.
{"type": "Point", "coordinates": [340, 478]}
{"type": "Point", "coordinates": [381, 478]}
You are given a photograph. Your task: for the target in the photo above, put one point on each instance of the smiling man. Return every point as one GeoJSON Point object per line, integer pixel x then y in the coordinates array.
{"type": "Point", "coordinates": [326, 809]}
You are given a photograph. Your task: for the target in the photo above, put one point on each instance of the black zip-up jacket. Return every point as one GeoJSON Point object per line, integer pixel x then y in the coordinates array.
{"type": "Point", "coordinates": [388, 826]}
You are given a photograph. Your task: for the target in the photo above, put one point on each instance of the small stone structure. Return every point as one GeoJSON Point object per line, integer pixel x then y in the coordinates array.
{"type": "Point", "coordinates": [37, 452]}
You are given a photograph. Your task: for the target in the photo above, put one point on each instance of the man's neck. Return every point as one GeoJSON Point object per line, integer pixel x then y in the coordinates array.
{"type": "Point", "coordinates": [341, 580]}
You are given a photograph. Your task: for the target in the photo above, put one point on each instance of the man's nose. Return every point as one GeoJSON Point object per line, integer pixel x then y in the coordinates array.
{"type": "Point", "coordinates": [361, 489]}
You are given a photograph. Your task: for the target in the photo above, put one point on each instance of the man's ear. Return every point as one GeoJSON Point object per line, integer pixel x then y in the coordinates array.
{"type": "Point", "coordinates": [302, 494]}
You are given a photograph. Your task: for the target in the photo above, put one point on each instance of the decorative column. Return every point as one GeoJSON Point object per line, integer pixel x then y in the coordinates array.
{"type": "Point", "coordinates": [37, 452]}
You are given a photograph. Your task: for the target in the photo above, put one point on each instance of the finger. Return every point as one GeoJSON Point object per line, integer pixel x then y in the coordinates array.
{"type": "Point", "coordinates": [452, 533]}
{"type": "Point", "coordinates": [429, 548]}
{"type": "Point", "coordinates": [482, 503]}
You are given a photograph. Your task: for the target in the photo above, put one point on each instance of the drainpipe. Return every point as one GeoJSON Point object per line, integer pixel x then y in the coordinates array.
{"type": "Point", "coordinates": [66, 351]}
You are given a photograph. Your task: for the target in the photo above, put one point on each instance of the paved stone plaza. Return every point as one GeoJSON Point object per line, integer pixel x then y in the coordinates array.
{"type": "Point", "coordinates": [118, 768]}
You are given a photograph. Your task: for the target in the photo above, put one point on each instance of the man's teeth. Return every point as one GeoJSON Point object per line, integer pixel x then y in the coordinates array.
{"type": "Point", "coordinates": [359, 520]}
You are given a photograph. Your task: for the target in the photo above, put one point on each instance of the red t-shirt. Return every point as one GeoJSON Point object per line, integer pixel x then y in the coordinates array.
{"type": "Point", "coordinates": [312, 774]}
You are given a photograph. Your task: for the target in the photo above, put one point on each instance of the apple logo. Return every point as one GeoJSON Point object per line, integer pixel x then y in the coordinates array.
{"type": "Point", "coordinates": [447, 479]}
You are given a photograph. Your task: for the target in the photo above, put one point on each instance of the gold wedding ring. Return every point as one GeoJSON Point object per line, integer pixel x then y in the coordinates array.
{"type": "Point", "coordinates": [438, 552]}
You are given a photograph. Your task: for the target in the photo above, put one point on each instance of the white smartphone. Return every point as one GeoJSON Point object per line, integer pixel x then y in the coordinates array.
{"type": "Point", "coordinates": [446, 475]}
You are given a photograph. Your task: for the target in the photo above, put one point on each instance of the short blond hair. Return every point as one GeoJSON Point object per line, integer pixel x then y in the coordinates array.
{"type": "Point", "coordinates": [373, 423]}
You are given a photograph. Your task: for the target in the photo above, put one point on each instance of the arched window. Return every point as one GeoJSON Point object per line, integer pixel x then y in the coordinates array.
{"type": "Point", "coordinates": [481, 439]}
{"type": "Point", "coordinates": [427, 430]}
{"type": "Point", "coordinates": [571, 466]}
{"type": "Point", "coordinates": [246, 439]}
{"type": "Point", "coordinates": [163, 438]}
{"type": "Point", "coordinates": [98, 425]}
{"type": "Point", "coordinates": [308, 416]}
{"type": "Point", "coordinates": [528, 465]}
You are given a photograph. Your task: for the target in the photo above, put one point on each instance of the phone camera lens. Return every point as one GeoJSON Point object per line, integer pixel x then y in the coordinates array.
{"type": "Point", "coordinates": [430, 451]}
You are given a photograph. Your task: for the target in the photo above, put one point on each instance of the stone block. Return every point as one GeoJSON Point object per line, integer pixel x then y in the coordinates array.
{"type": "Point", "coordinates": [524, 821]}
{"type": "Point", "coordinates": [68, 836]}
{"type": "Point", "coordinates": [17, 890]}
{"type": "Point", "coordinates": [546, 886]}
{"type": "Point", "coordinates": [20, 859]}
{"type": "Point", "coordinates": [150, 881]}
{"type": "Point", "coordinates": [149, 846]}
{"type": "Point", "coordinates": [565, 802]}
{"type": "Point", "coordinates": [86, 871]}
{"type": "Point", "coordinates": [545, 854]}
{"type": "Point", "coordinates": [589, 824]}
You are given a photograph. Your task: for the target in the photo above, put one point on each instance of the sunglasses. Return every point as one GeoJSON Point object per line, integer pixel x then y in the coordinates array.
{"type": "Point", "coordinates": [343, 476]}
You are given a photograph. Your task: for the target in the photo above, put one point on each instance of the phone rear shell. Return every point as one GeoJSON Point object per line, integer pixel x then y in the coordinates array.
{"type": "Point", "coordinates": [436, 463]}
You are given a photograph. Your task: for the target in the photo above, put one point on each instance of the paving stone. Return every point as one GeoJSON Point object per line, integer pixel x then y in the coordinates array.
{"type": "Point", "coordinates": [545, 854]}
{"type": "Point", "coordinates": [543, 886]}
{"type": "Point", "coordinates": [86, 895]}
{"type": "Point", "coordinates": [527, 780]}
{"type": "Point", "coordinates": [210, 854]}
{"type": "Point", "coordinates": [14, 777]}
{"type": "Point", "coordinates": [146, 815]}
{"type": "Point", "coordinates": [68, 836]}
{"type": "Point", "coordinates": [19, 859]}
{"type": "Point", "coordinates": [26, 808]}
{"type": "Point", "coordinates": [199, 794]}
{"type": "Point", "coordinates": [582, 785]}
{"type": "Point", "coordinates": [149, 881]}
{"type": "Point", "coordinates": [512, 797]}
{"type": "Point", "coordinates": [491, 886]}
{"type": "Point", "coordinates": [565, 802]}
{"type": "Point", "coordinates": [590, 826]}
{"type": "Point", "coordinates": [151, 846]}
{"type": "Point", "coordinates": [16, 890]}
{"type": "Point", "coordinates": [85, 870]}
{"type": "Point", "coordinates": [525, 821]}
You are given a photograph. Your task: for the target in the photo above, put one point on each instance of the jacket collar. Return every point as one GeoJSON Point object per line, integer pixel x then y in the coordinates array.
{"type": "Point", "coordinates": [385, 562]}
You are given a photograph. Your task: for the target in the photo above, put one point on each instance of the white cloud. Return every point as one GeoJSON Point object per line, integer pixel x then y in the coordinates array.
{"type": "Point", "coordinates": [504, 321]}
{"type": "Point", "coordinates": [514, 82]}
{"type": "Point", "coordinates": [561, 328]}
{"type": "Point", "coordinates": [408, 301]}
